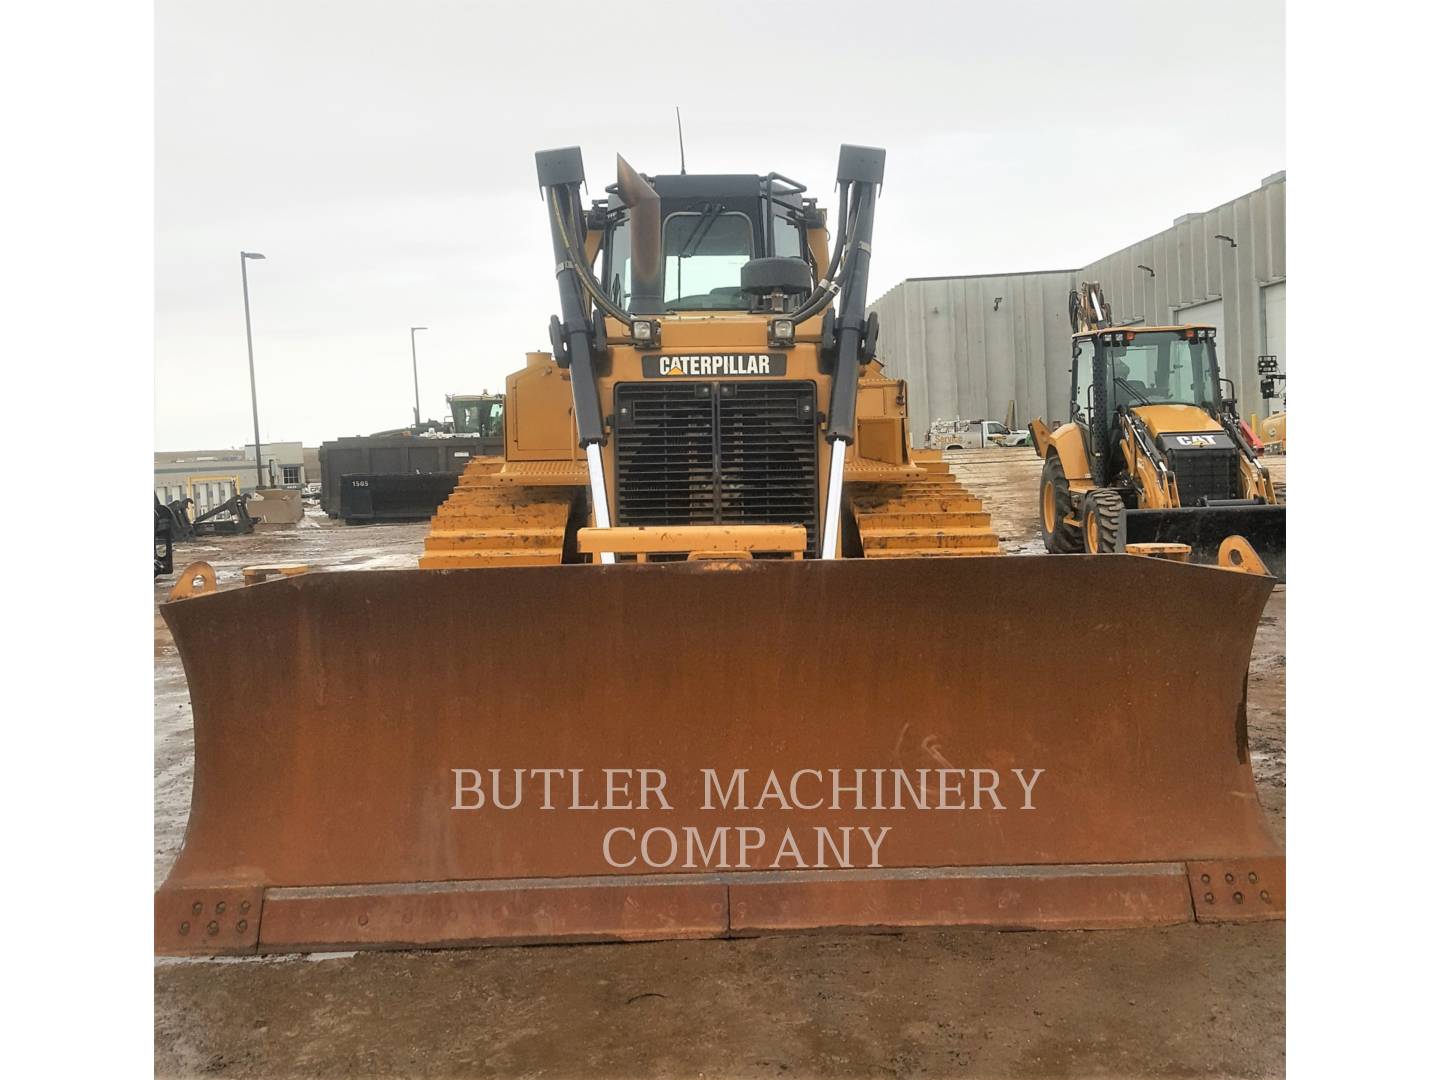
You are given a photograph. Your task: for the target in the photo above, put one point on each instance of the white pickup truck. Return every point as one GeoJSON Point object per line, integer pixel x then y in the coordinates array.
{"type": "Point", "coordinates": [972, 434]}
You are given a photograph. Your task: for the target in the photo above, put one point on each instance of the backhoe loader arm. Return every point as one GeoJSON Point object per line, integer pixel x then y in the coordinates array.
{"type": "Point", "coordinates": [1088, 309]}
{"type": "Point", "coordinates": [1162, 491]}
{"type": "Point", "coordinates": [1259, 474]}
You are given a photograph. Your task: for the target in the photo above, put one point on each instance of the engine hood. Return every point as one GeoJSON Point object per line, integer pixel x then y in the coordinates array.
{"type": "Point", "coordinates": [1161, 419]}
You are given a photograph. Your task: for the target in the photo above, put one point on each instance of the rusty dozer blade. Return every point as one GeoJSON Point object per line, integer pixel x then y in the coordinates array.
{"type": "Point", "coordinates": [1043, 762]}
{"type": "Point", "coordinates": [1205, 528]}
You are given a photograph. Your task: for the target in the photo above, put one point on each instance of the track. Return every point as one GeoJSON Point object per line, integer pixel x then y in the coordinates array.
{"type": "Point", "coordinates": [495, 520]}
{"type": "Point", "coordinates": [933, 517]}
{"type": "Point", "coordinates": [486, 522]}
{"type": "Point", "coordinates": [1007, 481]}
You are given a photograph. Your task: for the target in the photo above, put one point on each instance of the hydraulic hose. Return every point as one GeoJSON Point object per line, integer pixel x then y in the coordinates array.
{"type": "Point", "coordinates": [575, 256]}
{"type": "Point", "coordinates": [835, 272]}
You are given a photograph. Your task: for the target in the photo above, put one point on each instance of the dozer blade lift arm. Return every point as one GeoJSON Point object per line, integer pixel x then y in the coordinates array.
{"type": "Point", "coordinates": [573, 338]}
{"type": "Point", "coordinates": [864, 168]}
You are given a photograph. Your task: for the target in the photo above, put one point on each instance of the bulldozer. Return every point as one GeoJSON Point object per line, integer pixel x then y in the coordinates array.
{"type": "Point", "coordinates": [708, 442]}
{"type": "Point", "coordinates": [1154, 458]}
{"type": "Point", "coordinates": [665, 671]}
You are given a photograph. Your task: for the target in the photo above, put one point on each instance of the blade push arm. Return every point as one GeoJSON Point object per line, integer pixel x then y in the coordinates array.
{"type": "Point", "coordinates": [861, 171]}
{"type": "Point", "coordinates": [561, 172]}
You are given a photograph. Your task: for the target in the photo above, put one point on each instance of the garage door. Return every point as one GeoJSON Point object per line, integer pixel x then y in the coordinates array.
{"type": "Point", "coordinates": [1209, 314]}
{"type": "Point", "coordinates": [1274, 307]}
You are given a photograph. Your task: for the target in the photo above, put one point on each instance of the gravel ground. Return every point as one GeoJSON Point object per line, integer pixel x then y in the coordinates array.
{"type": "Point", "coordinates": [1181, 1001]}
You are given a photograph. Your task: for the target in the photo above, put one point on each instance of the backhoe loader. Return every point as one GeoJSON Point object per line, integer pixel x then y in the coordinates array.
{"type": "Point", "coordinates": [1154, 458]}
{"type": "Point", "coordinates": [666, 672]}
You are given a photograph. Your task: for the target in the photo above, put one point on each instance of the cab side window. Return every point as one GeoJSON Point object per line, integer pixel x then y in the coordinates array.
{"type": "Point", "coordinates": [1084, 359]}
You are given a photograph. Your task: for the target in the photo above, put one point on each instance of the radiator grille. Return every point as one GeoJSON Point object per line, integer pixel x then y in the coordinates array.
{"type": "Point", "coordinates": [730, 453]}
{"type": "Point", "coordinates": [1200, 474]}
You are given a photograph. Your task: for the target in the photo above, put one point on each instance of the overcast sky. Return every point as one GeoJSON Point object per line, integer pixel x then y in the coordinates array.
{"type": "Point", "coordinates": [380, 154]}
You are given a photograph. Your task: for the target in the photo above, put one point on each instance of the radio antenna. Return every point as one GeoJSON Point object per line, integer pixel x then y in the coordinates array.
{"type": "Point", "coordinates": [680, 131]}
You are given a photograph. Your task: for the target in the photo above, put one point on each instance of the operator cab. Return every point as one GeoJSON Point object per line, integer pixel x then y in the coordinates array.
{"type": "Point", "coordinates": [1133, 368]}
{"type": "Point", "coordinates": [478, 415]}
{"type": "Point", "coordinates": [729, 242]}
{"type": "Point", "coordinates": [1162, 386]}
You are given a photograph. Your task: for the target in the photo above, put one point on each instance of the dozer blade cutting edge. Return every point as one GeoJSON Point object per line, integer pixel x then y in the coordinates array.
{"type": "Point", "coordinates": [893, 776]}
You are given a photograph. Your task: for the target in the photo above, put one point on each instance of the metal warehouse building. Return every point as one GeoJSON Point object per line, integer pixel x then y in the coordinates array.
{"type": "Point", "coordinates": [969, 346]}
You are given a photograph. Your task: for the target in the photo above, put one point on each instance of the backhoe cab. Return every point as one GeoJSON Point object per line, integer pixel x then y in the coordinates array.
{"type": "Point", "coordinates": [1154, 453]}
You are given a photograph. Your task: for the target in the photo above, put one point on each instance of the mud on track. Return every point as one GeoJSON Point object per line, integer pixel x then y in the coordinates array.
{"type": "Point", "coordinates": [1182, 1001]}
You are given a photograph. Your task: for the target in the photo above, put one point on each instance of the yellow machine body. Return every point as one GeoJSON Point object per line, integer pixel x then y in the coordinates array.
{"type": "Point", "coordinates": [1157, 491]}
{"type": "Point", "coordinates": [528, 510]}
{"type": "Point", "coordinates": [1272, 433]}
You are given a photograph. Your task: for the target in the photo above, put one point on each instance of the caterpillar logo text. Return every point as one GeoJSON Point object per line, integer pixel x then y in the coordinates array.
{"type": "Point", "coordinates": [726, 365]}
{"type": "Point", "coordinates": [1195, 440]}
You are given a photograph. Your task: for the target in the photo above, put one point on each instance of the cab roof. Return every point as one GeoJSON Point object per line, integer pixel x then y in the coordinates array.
{"type": "Point", "coordinates": [716, 185]}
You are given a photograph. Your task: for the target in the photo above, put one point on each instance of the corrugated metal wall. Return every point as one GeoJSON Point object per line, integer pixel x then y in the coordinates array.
{"type": "Point", "coordinates": [963, 357]}
{"type": "Point", "coordinates": [1192, 268]}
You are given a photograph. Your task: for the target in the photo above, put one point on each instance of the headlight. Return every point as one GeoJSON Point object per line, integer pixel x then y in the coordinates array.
{"type": "Point", "coordinates": [782, 332]}
{"type": "Point", "coordinates": [645, 332]}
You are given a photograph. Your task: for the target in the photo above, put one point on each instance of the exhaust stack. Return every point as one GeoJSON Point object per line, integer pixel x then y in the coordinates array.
{"type": "Point", "coordinates": [647, 264]}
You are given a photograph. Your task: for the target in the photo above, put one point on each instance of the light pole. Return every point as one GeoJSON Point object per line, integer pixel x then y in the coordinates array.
{"type": "Point", "coordinates": [415, 370]}
{"type": "Point", "coordinates": [250, 351]}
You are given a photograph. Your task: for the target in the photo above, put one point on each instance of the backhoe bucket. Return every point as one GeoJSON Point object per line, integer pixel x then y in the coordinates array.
{"type": "Point", "coordinates": [711, 749]}
{"type": "Point", "coordinates": [1204, 528]}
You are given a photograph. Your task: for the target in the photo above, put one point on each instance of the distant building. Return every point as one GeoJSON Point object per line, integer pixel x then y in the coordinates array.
{"type": "Point", "coordinates": [970, 346]}
{"type": "Point", "coordinates": [312, 465]}
{"type": "Point", "coordinates": [212, 477]}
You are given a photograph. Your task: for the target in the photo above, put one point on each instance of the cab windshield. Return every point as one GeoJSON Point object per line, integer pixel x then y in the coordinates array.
{"type": "Point", "coordinates": [705, 245]}
{"type": "Point", "coordinates": [704, 251]}
{"type": "Point", "coordinates": [479, 417]}
{"type": "Point", "coordinates": [1164, 368]}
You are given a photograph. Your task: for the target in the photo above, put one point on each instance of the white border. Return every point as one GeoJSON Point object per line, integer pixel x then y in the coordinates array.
{"type": "Point", "coordinates": [76, 279]}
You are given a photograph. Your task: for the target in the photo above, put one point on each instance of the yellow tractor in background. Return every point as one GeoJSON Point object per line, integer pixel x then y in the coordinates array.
{"type": "Point", "coordinates": [1272, 433]}
{"type": "Point", "coordinates": [1272, 428]}
{"type": "Point", "coordinates": [669, 669]}
{"type": "Point", "coordinates": [1154, 458]}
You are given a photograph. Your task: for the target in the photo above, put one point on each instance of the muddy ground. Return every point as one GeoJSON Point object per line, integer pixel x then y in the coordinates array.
{"type": "Point", "coordinates": [1182, 1001]}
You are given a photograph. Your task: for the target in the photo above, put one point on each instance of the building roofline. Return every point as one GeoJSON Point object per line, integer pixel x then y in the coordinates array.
{"type": "Point", "coordinates": [1269, 181]}
{"type": "Point", "coordinates": [1195, 215]}
{"type": "Point", "coordinates": [1006, 273]}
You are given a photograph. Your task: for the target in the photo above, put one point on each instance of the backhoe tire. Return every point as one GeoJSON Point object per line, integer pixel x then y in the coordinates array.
{"type": "Point", "coordinates": [1060, 538]}
{"type": "Point", "coordinates": [1100, 521]}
